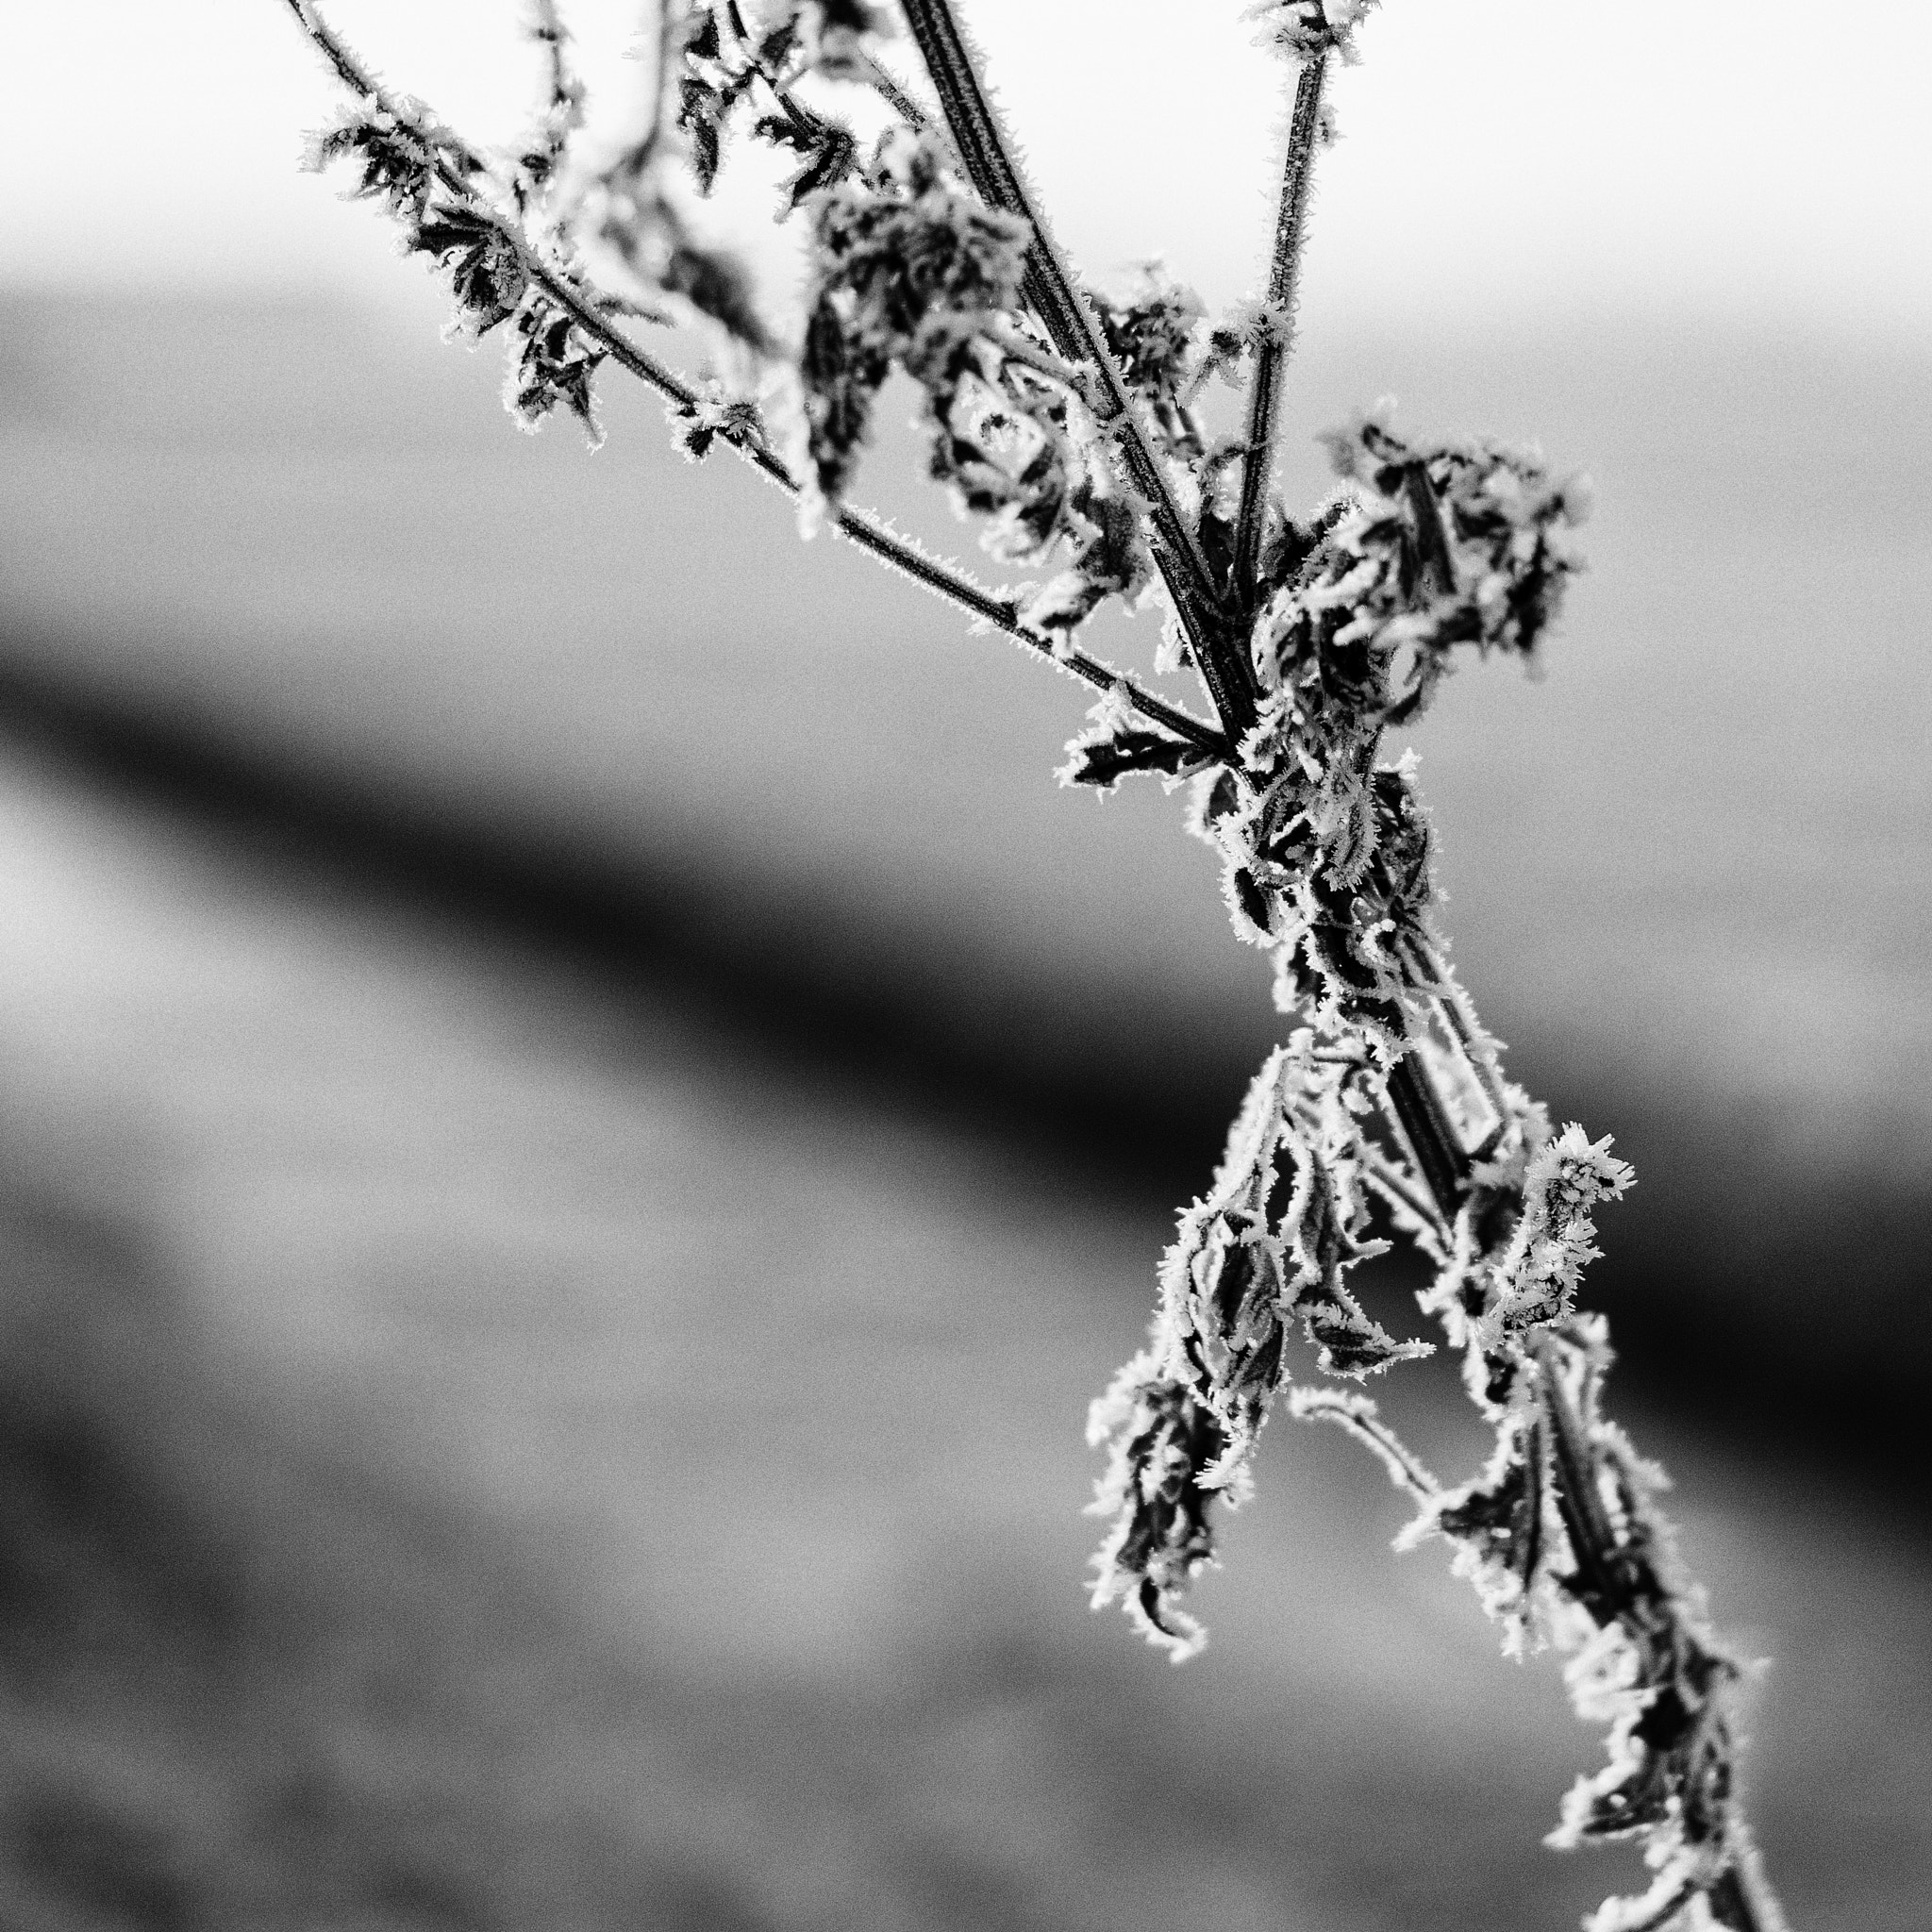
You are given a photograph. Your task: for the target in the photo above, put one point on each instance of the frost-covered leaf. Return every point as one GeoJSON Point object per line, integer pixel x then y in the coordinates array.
{"type": "Point", "coordinates": [912, 272]}
{"type": "Point", "coordinates": [1535, 1283]}
{"type": "Point", "coordinates": [1162, 1440]}
{"type": "Point", "coordinates": [1326, 852]}
{"type": "Point", "coordinates": [1118, 741]}
{"type": "Point", "coordinates": [1649, 1668]}
{"type": "Point", "coordinates": [1264, 1250]}
{"type": "Point", "coordinates": [484, 267]}
{"type": "Point", "coordinates": [711, 414]}
{"type": "Point", "coordinates": [827, 152]}
{"type": "Point", "coordinates": [1324, 1229]}
{"type": "Point", "coordinates": [1103, 762]}
{"type": "Point", "coordinates": [905, 267]}
{"type": "Point", "coordinates": [1446, 543]}
{"type": "Point", "coordinates": [561, 112]}
{"type": "Point", "coordinates": [1496, 1521]}
{"type": "Point", "coordinates": [395, 158]}
{"type": "Point", "coordinates": [552, 364]}
{"type": "Point", "coordinates": [718, 286]}
{"type": "Point", "coordinates": [729, 66]}
{"type": "Point", "coordinates": [709, 89]}
{"type": "Point", "coordinates": [1325, 862]}
{"type": "Point", "coordinates": [1156, 335]}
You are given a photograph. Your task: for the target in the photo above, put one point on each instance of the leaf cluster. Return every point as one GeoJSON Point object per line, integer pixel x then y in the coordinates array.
{"type": "Point", "coordinates": [1266, 1252]}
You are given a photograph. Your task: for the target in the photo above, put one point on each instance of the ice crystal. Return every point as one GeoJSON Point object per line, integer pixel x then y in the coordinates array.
{"type": "Point", "coordinates": [1311, 29]}
{"type": "Point", "coordinates": [1535, 1283]}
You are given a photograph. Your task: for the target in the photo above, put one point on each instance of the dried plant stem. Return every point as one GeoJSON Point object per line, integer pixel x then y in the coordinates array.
{"type": "Point", "coordinates": [1274, 337]}
{"type": "Point", "coordinates": [883, 82]}
{"type": "Point", "coordinates": [1357, 1416]}
{"type": "Point", "coordinates": [1425, 1124]}
{"type": "Point", "coordinates": [1617, 1583]}
{"type": "Point", "coordinates": [1390, 1090]}
{"type": "Point", "coordinates": [984, 605]}
{"type": "Point", "coordinates": [1069, 324]}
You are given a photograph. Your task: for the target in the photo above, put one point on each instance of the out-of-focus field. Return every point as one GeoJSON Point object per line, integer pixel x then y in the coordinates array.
{"type": "Point", "coordinates": [481, 1452]}
{"type": "Point", "coordinates": [491, 1434]}
{"type": "Point", "coordinates": [1686, 871]}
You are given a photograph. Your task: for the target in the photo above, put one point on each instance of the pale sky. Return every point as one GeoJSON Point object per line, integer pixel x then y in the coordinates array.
{"type": "Point", "coordinates": [1737, 158]}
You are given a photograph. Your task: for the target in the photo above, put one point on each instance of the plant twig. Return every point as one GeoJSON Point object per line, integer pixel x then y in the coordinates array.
{"type": "Point", "coordinates": [1274, 330]}
{"type": "Point", "coordinates": [880, 79]}
{"type": "Point", "coordinates": [987, 154]}
{"type": "Point", "coordinates": [986, 606]}
{"type": "Point", "coordinates": [1440, 1158]}
{"type": "Point", "coordinates": [1357, 1415]}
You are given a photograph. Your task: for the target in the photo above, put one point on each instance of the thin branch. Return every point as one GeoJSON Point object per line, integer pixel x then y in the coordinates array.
{"type": "Point", "coordinates": [1061, 374]}
{"type": "Point", "coordinates": [1003, 614]}
{"type": "Point", "coordinates": [986, 152]}
{"type": "Point", "coordinates": [1424, 1124]}
{"type": "Point", "coordinates": [986, 606]}
{"type": "Point", "coordinates": [1358, 1416]}
{"type": "Point", "coordinates": [880, 79]}
{"type": "Point", "coordinates": [1388, 1179]}
{"type": "Point", "coordinates": [563, 105]}
{"type": "Point", "coordinates": [1453, 1004]}
{"type": "Point", "coordinates": [1592, 1541]}
{"type": "Point", "coordinates": [1277, 322]}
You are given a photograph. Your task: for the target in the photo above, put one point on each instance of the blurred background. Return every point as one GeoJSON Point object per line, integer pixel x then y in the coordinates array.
{"type": "Point", "coordinates": [580, 1118]}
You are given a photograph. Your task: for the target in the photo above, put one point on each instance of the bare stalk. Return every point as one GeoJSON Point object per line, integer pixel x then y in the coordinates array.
{"type": "Point", "coordinates": [1425, 1124]}
{"type": "Point", "coordinates": [1355, 1415]}
{"type": "Point", "coordinates": [1277, 325]}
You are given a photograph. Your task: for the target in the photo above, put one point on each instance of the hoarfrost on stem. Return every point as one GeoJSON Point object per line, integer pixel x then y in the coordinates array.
{"type": "Point", "coordinates": [1071, 425]}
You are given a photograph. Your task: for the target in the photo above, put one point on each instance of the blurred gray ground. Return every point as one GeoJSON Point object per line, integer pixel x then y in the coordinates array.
{"type": "Point", "coordinates": [1686, 869]}
{"type": "Point", "coordinates": [478, 1452]}
{"type": "Point", "coordinates": [481, 1446]}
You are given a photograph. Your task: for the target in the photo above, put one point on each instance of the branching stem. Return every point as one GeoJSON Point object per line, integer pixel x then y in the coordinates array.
{"type": "Point", "coordinates": [987, 154]}
{"type": "Point", "coordinates": [987, 607]}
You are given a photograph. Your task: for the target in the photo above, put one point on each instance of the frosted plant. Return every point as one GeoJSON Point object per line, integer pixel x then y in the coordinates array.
{"type": "Point", "coordinates": [1072, 426]}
